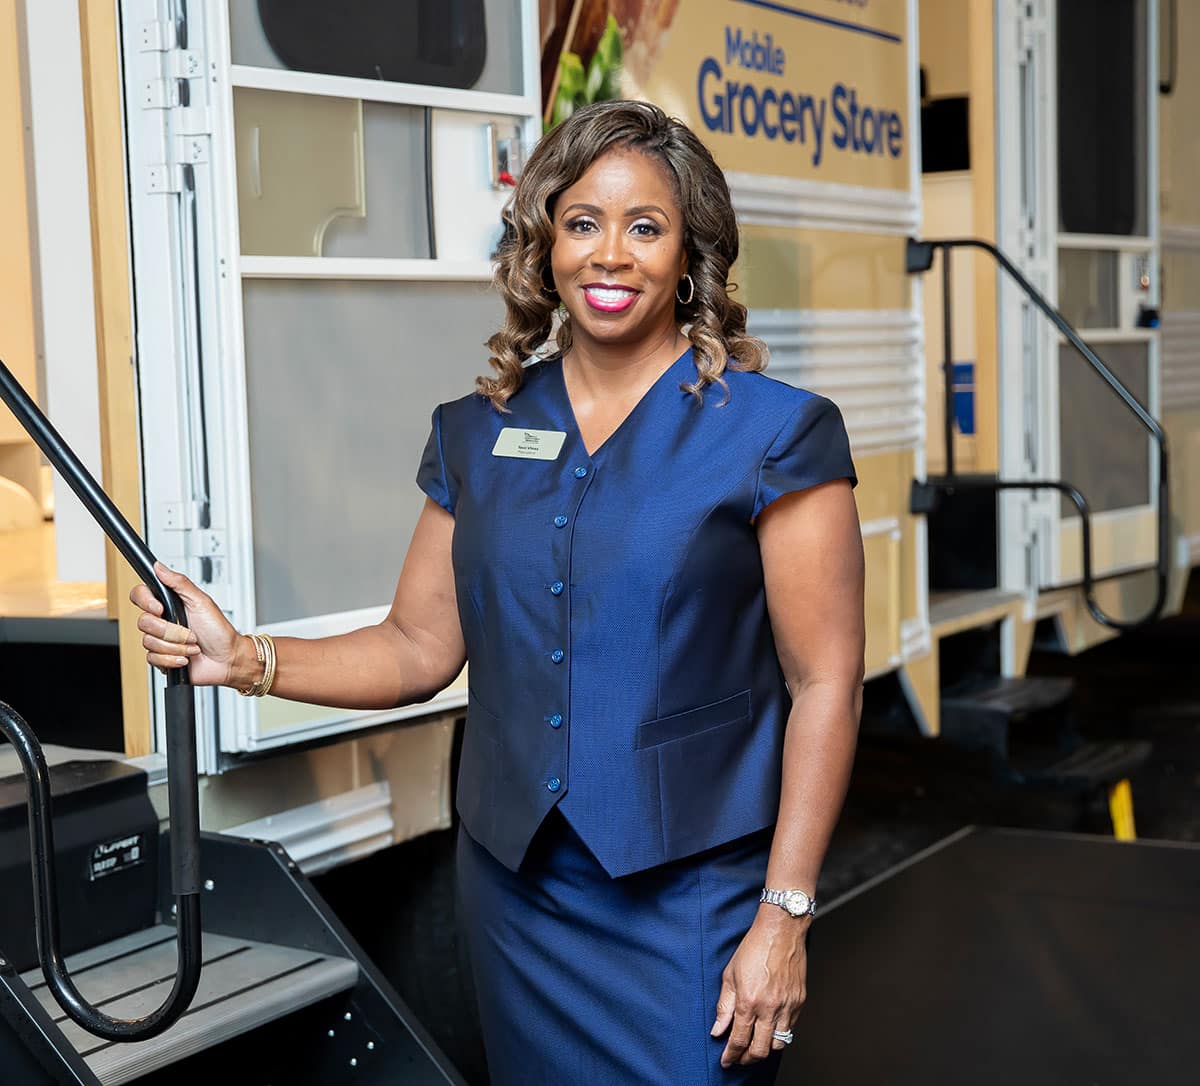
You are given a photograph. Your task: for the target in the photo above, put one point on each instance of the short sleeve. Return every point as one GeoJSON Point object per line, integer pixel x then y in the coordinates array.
{"type": "Point", "coordinates": [812, 448]}
{"type": "Point", "coordinates": [432, 476]}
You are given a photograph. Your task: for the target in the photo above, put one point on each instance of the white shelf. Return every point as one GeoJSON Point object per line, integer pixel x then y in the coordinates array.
{"type": "Point", "coordinates": [378, 90]}
{"type": "Point", "coordinates": [321, 267]}
{"type": "Point", "coordinates": [1125, 243]}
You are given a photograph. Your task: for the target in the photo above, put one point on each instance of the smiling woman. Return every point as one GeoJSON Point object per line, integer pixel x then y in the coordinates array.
{"type": "Point", "coordinates": [650, 556]}
{"type": "Point", "coordinates": [617, 262]}
{"type": "Point", "coordinates": [639, 608]}
{"type": "Point", "coordinates": [625, 171]}
{"type": "Point", "coordinates": [618, 250]}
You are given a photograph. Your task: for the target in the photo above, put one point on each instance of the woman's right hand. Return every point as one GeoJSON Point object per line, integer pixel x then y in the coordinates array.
{"type": "Point", "coordinates": [209, 647]}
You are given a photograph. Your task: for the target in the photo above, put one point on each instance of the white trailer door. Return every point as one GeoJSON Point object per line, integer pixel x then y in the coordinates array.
{"type": "Point", "coordinates": [312, 224]}
{"type": "Point", "coordinates": [1077, 129]}
{"type": "Point", "coordinates": [1106, 89]}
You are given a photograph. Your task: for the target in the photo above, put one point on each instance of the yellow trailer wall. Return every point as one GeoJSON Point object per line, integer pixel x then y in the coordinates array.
{"type": "Point", "coordinates": [1179, 209]}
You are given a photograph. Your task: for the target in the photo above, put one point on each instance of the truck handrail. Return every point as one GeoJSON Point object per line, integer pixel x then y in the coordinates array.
{"type": "Point", "coordinates": [182, 783]}
{"type": "Point", "coordinates": [919, 258]}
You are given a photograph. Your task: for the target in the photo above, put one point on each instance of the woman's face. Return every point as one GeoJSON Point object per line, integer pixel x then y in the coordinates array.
{"type": "Point", "coordinates": [617, 255]}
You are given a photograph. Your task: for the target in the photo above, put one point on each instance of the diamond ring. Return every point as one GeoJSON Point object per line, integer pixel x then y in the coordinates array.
{"type": "Point", "coordinates": [784, 1035]}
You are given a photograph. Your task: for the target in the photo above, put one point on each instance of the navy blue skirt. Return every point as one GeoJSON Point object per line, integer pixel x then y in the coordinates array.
{"type": "Point", "coordinates": [587, 979]}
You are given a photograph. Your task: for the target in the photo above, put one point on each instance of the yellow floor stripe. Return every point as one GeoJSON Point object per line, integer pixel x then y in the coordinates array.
{"type": "Point", "coordinates": [1120, 807]}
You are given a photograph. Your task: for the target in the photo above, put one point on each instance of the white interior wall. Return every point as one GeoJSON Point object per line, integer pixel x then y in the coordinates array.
{"type": "Point", "coordinates": [62, 240]}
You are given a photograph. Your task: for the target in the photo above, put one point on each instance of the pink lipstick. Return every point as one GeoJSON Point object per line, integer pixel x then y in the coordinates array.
{"type": "Point", "coordinates": [609, 298]}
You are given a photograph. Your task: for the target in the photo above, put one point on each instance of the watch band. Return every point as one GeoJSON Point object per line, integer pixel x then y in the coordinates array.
{"type": "Point", "coordinates": [793, 902]}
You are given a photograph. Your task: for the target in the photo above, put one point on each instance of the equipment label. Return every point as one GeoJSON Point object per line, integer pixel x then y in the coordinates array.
{"type": "Point", "coordinates": [108, 857]}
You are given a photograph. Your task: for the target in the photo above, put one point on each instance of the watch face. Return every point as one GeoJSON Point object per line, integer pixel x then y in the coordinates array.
{"type": "Point", "coordinates": [797, 902]}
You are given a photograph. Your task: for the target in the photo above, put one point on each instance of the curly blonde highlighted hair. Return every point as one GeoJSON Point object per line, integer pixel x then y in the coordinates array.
{"type": "Point", "coordinates": [716, 324]}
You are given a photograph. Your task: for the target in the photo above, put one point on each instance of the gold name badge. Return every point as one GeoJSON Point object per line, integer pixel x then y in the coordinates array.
{"type": "Point", "coordinates": [529, 444]}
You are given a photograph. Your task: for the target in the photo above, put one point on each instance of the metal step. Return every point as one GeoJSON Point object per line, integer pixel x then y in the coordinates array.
{"type": "Point", "coordinates": [245, 984]}
{"type": "Point", "coordinates": [983, 715]}
{"type": "Point", "coordinates": [1011, 697]}
{"type": "Point", "coordinates": [1089, 765]}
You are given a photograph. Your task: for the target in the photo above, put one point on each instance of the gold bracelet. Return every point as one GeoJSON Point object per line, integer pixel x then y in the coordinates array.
{"type": "Point", "coordinates": [268, 679]}
{"type": "Point", "coordinates": [264, 650]}
{"type": "Point", "coordinates": [260, 653]}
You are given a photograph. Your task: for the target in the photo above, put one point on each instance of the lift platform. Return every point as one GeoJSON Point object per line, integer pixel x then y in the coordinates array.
{"type": "Point", "coordinates": [1001, 956]}
{"type": "Point", "coordinates": [285, 994]}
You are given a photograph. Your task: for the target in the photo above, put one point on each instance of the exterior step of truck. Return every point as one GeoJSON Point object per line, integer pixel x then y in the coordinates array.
{"type": "Point", "coordinates": [1087, 766]}
{"type": "Point", "coordinates": [1027, 728]}
{"type": "Point", "coordinates": [988, 715]}
{"type": "Point", "coordinates": [244, 985]}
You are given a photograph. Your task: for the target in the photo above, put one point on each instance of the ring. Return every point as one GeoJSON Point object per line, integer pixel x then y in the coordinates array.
{"type": "Point", "coordinates": [784, 1035]}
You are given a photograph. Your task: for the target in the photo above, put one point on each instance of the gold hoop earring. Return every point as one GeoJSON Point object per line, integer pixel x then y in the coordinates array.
{"type": "Point", "coordinates": [691, 291]}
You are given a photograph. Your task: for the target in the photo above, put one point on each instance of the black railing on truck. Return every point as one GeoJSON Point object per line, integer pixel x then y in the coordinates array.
{"type": "Point", "coordinates": [926, 493]}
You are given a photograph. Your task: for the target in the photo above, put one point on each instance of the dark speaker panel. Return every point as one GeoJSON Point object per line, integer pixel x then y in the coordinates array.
{"type": "Point", "coordinates": [440, 43]}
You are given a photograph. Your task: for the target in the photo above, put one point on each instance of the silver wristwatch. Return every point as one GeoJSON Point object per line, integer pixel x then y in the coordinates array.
{"type": "Point", "coordinates": [795, 902]}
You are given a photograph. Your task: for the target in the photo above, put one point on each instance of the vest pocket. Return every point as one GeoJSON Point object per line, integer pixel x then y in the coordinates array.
{"type": "Point", "coordinates": [718, 783]}
{"type": "Point", "coordinates": [694, 722]}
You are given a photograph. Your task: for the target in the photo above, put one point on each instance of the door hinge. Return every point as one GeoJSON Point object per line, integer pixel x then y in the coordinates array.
{"type": "Point", "coordinates": [189, 516]}
{"type": "Point", "coordinates": [157, 37]}
{"type": "Point", "coordinates": [191, 150]}
{"type": "Point", "coordinates": [205, 543]}
{"type": "Point", "coordinates": [192, 121]}
{"type": "Point", "coordinates": [1031, 25]}
{"type": "Point", "coordinates": [186, 541]}
{"type": "Point", "coordinates": [160, 94]}
{"type": "Point", "coordinates": [180, 516]}
{"type": "Point", "coordinates": [164, 177]}
{"type": "Point", "coordinates": [193, 540]}
{"type": "Point", "coordinates": [185, 64]}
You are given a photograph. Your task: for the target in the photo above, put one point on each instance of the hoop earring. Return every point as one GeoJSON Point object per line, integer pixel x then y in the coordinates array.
{"type": "Point", "coordinates": [691, 291]}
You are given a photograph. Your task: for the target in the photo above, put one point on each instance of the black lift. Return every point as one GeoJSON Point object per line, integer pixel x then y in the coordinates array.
{"type": "Point", "coordinates": [285, 996]}
{"type": "Point", "coordinates": [212, 953]}
{"type": "Point", "coordinates": [1009, 956]}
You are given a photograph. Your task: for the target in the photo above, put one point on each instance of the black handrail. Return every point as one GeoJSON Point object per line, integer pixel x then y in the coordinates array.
{"type": "Point", "coordinates": [919, 258]}
{"type": "Point", "coordinates": [182, 785]}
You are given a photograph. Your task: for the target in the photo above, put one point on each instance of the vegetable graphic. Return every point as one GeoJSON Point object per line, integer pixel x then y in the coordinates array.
{"type": "Point", "coordinates": [600, 81]}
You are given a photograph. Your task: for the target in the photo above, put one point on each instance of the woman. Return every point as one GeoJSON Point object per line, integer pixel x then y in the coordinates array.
{"type": "Point", "coordinates": [650, 554]}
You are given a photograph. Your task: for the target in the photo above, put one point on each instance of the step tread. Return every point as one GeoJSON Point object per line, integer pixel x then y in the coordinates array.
{"type": "Point", "coordinates": [1094, 763]}
{"type": "Point", "coordinates": [969, 607]}
{"type": "Point", "coordinates": [1009, 695]}
{"type": "Point", "coordinates": [244, 984]}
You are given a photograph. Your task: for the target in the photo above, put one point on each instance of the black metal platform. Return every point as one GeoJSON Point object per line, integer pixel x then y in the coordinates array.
{"type": "Point", "coordinates": [1002, 956]}
{"type": "Point", "coordinates": [286, 995]}
{"type": "Point", "coordinates": [245, 984]}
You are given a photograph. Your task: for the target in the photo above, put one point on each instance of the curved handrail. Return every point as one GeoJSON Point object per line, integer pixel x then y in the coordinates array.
{"type": "Point", "coordinates": [919, 258]}
{"type": "Point", "coordinates": [182, 785]}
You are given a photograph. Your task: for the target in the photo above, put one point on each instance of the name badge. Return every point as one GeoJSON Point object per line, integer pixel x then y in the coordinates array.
{"type": "Point", "coordinates": [529, 444]}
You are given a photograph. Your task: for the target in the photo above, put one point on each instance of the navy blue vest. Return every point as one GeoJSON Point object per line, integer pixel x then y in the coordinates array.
{"type": "Point", "coordinates": [621, 660]}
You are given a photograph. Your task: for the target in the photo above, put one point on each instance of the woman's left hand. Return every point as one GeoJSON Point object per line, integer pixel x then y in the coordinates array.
{"type": "Point", "coordinates": [762, 988]}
